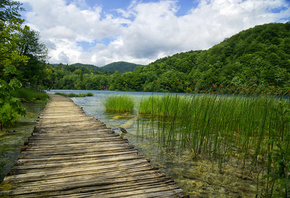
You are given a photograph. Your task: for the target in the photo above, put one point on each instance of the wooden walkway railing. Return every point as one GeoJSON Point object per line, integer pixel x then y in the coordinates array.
{"type": "Point", "coordinates": [73, 155]}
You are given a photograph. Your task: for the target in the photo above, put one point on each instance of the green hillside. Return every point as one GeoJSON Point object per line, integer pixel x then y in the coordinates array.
{"type": "Point", "coordinates": [254, 60]}
{"type": "Point", "coordinates": [120, 66]}
{"type": "Point", "coordinates": [93, 67]}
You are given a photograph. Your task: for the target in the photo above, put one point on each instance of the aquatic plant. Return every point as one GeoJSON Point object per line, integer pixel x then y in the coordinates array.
{"type": "Point", "coordinates": [255, 129]}
{"type": "Point", "coordinates": [74, 95]}
{"type": "Point", "coordinates": [119, 103]}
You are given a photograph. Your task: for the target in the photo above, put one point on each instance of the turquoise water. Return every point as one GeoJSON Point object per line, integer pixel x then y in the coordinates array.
{"type": "Point", "coordinates": [199, 178]}
{"type": "Point", "coordinates": [93, 106]}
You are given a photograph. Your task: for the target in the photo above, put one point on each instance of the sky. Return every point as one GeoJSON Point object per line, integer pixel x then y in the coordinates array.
{"type": "Point", "coordinates": [100, 32]}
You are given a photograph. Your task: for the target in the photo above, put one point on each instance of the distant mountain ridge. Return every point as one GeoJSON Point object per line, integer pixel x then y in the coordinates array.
{"type": "Point", "coordinates": [255, 60]}
{"type": "Point", "coordinates": [120, 66]}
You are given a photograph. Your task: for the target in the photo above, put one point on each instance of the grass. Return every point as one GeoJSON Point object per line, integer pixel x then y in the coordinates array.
{"type": "Point", "coordinates": [74, 95]}
{"type": "Point", "coordinates": [30, 95]}
{"type": "Point", "coordinates": [11, 142]}
{"type": "Point", "coordinates": [119, 103]}
{"type": "Point", "coordinates": [219, 127]}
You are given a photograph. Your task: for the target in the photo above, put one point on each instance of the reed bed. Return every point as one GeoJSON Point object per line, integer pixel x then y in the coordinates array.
{"type": "Point", "coordinates": [255, 130]}
{"type": "Point", "coordinates": [74, 94]}
{"type": "Point", "coordinates": [119, 103]}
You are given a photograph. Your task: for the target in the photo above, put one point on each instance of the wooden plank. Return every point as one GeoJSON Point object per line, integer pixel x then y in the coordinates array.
{"type": "Point", "coordinates": [75, 152]}
{"type": "Point", "coordinates": [139, 165]}
{"type": "Point", "coordinates": [72, 155]}
{"type": "Point", "coordinates": [77, 157]}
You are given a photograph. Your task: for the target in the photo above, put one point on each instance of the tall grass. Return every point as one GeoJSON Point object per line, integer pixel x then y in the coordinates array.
{"type": "Point", "coordinates": [28, 94]}
{"type": "Point", "coordinates": [74, 95]}
{"type": "Point", "coordinates": [220, 126]}
{"type": "Point", "coordinates": [119, 103]}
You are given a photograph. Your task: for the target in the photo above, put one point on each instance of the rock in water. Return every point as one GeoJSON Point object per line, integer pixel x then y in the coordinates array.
{"type": "Point", "coordinates": [123, 130]}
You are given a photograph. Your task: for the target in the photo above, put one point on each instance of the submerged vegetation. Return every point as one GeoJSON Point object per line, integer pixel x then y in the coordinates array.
{"type": "Point", "coordinates": [74, 95]}
{"type": "Point", "coordinates": [119, 103]}
{"type": "Point", "coordinates": [252, 130]}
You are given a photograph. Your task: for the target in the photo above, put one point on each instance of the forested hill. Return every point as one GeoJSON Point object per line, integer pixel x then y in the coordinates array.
{"type": "Point", "coordinates": [120, 66]}
{"type": "Point", "coordinates": [257, 59]}
{"type": "Point", "coordinates": [93, 67]}
{"type": "Point", "coordinates": [85, 76]}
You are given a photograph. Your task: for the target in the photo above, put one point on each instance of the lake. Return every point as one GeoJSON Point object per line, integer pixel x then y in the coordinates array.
{"type": "Point", "coordinates": [200, 177]}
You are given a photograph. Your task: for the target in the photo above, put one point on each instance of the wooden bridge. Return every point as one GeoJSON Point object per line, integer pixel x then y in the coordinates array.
{"type": "Point", "coordinates": [72, 155]}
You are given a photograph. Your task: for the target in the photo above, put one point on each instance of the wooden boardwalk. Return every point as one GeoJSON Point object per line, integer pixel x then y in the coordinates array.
{"type": "Point", "coordinates": [73, 155]}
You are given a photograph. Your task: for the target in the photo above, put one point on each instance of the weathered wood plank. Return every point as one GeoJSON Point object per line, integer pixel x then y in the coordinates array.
{"type": "Point", "coordinates": [72, 155]}
{"type": "Point", "coordinates": [75, 152]}
{"type": "Point", "coordinates": [81, 170]}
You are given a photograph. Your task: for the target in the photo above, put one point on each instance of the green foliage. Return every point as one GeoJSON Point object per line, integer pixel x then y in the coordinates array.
{"type": "Point", "coordinates": [88, 77]}
{"type": "Point", "coordinates": [9, 10]}
{"type": "Point", "coordinates": [119, 103]}
{"type": "Point", "coordinates": [10, 112]}
{"type": "Point", "coordinates": [10, 107]}
{"type": "Point", "coordinates": [243, 60]}
{"type": "Point", "coordinates": [74, 95]}
{"type": "Point", "coordinates": [120, 66]}
{"type": "Point", "coordinates": [254, 61]}
{"type": "Point", "coordinates": [78, 77]}
{"type": "Point", "coordinates": [84, 66]}
{"type": "Point", "coordinates": [218, 127]}
{"type": "Point", "coordinates": [29, 95]}
{"type": "Point", "coordinates": [35, 72]}
{"type": "Point", "coordinates": [279, 152]}
{"type": "Point", "coordinates": [20, 62]}
{"type": "Point", "coordinates": [165, 106]}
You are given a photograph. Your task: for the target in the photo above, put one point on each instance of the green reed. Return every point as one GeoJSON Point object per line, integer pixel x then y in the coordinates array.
{"type": "Point", "coordinates": [119, 103]}
{"type": "Point", "coordinates": [219, 126]}
{"type": "Point", "coordinates": [74, 94]}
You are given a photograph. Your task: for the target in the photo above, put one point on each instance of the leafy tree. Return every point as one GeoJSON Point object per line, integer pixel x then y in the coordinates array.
{"type": "Point", "coordinates": [10, 59]}
{"type": "Point", "coordinates": [257, 58]}
{"type": "Point", "coordinates": [21, 60]}
{"type": "Point", "coordinates": [36, 70]}
{"type": "Point", "coordinates": [9, 10]}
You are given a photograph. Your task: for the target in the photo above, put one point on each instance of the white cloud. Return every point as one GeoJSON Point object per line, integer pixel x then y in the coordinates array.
{"type": "Point", "coordinates": [144, 31]}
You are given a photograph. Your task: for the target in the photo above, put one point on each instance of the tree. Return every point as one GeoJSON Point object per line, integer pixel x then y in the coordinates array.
{"type": "Point", "coordinates": [35, 71]}
{"type": "Point", "coordinates": [10, 107]}
{"type": "Point", "coordinates": [19, 46]}
{"type": "Point", "coordinates": [9, 10]}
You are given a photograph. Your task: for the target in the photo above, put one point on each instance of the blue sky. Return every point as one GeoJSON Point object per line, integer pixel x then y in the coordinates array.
{"type": "Point", "coordinates": [99, 32]}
